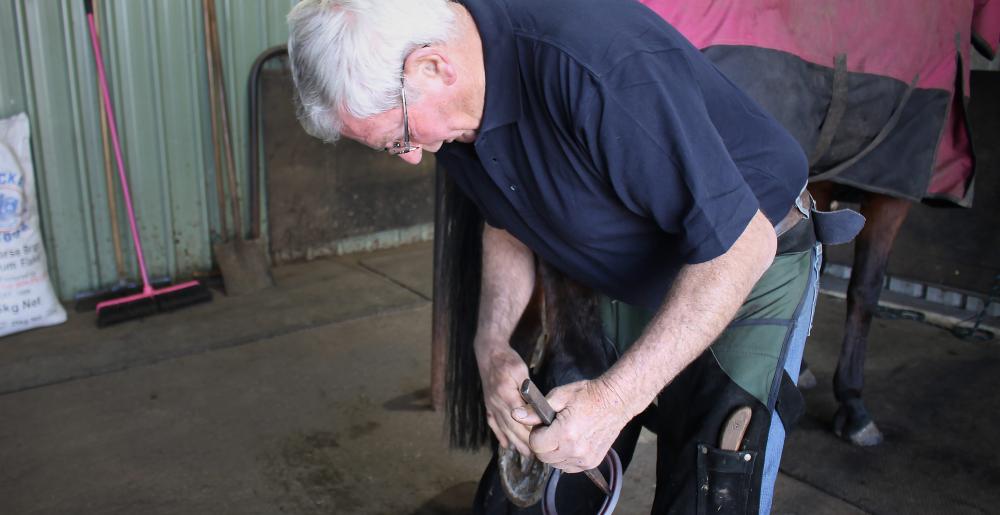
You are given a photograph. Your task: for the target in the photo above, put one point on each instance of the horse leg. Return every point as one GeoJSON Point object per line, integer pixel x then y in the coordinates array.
{"type": "Point", "coordinates": [884, 216]}
{"type": "Point", "coordinates": [822, 193]}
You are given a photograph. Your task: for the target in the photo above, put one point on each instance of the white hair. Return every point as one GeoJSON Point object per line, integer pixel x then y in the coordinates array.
{"type": "Point", "coordinates": [350, 53]}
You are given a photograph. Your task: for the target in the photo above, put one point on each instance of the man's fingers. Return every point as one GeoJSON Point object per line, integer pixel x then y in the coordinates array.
{"type": "Point", "coordinates": [555, 458]}
{"type": "Point", "coordinates": [569, 467]}
{"type": "Point", "coordinates": [522, 448]}
{"type": "Point", "coordinates": [561, 396]}
{"type": "Point", "coordinates": [502, 439]}
{"type": "Point", "coordinates": [526, 415]}
{"type": "Point", "coordinates": [490, 421]}
{"type": "Point", "coordinates": [543, 443]}
{"type": "Point", "coordinates": [560, 460]}
{"type": "Point", "coordinates": [519, 435]}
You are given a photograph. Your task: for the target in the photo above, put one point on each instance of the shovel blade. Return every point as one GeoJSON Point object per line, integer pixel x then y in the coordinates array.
{"type": "Point", "coordinates": [245, 266]}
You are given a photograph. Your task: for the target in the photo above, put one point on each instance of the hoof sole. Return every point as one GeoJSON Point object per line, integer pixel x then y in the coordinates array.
{"type": "Point", "coordinates": [523, 479]}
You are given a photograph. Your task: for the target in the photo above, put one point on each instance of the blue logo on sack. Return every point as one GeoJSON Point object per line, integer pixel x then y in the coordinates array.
{"type": "Point", "coordinates": [11, 202]}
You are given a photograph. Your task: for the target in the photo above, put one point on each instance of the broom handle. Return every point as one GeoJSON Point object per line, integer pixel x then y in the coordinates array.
{"type": "Point", "coordinates": [117, 146]}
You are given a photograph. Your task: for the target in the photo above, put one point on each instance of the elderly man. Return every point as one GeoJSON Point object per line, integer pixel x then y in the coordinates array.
{"type": "Point", "coordinates": [590, 133]}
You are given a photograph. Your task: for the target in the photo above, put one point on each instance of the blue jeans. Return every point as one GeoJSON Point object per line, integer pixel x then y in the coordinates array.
{"type": "Point", "coordinates": [793, 362]}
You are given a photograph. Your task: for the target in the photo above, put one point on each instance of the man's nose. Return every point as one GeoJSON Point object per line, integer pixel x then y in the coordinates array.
{"type": "Point", "coordinates": [413, 157]}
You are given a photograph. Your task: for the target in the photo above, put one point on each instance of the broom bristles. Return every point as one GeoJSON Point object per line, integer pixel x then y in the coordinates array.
{"type": "Point", "coordinates": [156, 301]}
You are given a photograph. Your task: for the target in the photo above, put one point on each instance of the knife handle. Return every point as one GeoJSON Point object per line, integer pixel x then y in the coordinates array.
{"type": "Point", "coordinates": [734, 429]}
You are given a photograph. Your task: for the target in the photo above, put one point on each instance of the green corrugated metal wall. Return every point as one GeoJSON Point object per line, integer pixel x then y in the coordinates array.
{"type": "Point", "coordinates": [154, 52]}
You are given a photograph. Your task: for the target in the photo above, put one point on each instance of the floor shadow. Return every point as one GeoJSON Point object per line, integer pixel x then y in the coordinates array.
{"type": "Point", "coordinates": [419, 400]}
{"type": "Point", "coordinates": [456, 500]}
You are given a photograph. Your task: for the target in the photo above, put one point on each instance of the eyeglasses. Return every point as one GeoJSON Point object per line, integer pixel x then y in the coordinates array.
{"type": "Point", "coordinates": [402, 147]}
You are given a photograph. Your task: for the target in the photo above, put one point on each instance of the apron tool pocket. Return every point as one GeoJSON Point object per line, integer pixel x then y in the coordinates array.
{"type": "Point", "coordinates": [724, 480]}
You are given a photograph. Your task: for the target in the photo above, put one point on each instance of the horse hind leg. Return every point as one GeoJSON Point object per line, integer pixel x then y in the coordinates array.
{"type": "Point", "coordinates": [822, 194]}
{"type": "Point", "coordinates": [884, 216]}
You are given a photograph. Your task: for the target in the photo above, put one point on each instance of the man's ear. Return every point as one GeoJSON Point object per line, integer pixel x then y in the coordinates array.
{"type": "Point", "coordinates": [430, 63]}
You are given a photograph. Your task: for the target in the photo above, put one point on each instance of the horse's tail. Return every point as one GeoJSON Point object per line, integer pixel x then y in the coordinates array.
{"type": "Point", "coordinates": [461, 269]}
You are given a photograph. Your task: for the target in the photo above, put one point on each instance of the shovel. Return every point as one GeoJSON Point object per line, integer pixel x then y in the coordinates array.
{"type": "Point", "coordinates": [244, 263]}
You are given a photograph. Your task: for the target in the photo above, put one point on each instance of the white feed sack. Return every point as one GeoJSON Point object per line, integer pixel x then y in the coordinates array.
{"type": "Point", "coordinates": [26, 297]}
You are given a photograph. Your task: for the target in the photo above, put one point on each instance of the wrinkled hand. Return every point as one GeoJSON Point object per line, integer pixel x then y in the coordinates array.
{"type": "Point", "coordinates": [589, 418]}
{"type": "Point", "coordinates": [502, 372]}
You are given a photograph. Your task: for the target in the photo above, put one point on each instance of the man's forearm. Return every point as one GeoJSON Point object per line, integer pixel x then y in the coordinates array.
{"type": "Point", "coordinates": [508, 280]}
{"type": "Point", "coordinates": [700, 304]}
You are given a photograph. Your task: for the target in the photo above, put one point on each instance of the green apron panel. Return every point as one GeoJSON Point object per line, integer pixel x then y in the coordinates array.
{"type": "Point", "coordinates": [750, 348]}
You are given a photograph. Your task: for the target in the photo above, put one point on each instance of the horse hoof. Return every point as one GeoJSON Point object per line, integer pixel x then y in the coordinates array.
{"type": "Point", "coordinates": [807, 380]}
{"type": "Point", "coordinates": [523, 478]}
{"type": "Point", "coordinates": [853, 424]}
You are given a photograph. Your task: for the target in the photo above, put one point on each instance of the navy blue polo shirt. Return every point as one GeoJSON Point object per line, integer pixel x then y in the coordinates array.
{"type": "Point", "coordinates": [612, 148]}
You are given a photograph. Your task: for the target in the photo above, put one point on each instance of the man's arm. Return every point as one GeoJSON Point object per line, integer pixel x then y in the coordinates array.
{"type": "Point", "coordinates": [508, 280]}
{"type": "Point", "coordinates": [700, 304]}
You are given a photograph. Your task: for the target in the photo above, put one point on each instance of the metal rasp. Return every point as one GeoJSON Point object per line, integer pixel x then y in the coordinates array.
{"type": "Point", "coordinates": [534, 397]}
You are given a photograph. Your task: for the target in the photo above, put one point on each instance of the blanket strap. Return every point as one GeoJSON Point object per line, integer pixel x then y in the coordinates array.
{"type": "Point", "coordinates": [835, 112]}
{"type": "Point", "coordinates": [838, 104]}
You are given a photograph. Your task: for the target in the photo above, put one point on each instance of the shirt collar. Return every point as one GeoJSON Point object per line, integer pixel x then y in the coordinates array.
{"type": "Point", "coordinates": [503, 78]}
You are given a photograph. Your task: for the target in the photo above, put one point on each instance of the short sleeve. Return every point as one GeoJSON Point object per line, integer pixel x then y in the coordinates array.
{"type": "Point", "coordinates": [650, 129]}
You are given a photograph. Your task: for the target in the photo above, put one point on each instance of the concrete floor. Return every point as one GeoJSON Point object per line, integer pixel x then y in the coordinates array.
{"type": "Point", "coordinates": [312, 398]}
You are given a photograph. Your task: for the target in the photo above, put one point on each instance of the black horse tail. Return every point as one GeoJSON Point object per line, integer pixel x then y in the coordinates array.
{"type": "Point", "coordinates": [461, 267]}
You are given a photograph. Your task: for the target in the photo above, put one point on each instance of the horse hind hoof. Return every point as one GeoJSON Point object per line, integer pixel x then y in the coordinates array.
{"type": "Point", "coordinates": [523, 478]}
{"type": "Point", "coordinates": [859, 430]}
{"type": "Point", "coordinates": [868, 436]}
